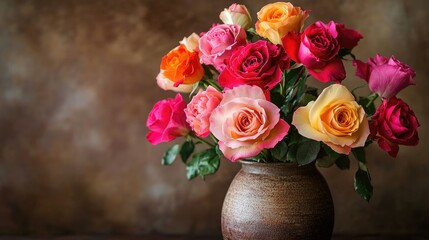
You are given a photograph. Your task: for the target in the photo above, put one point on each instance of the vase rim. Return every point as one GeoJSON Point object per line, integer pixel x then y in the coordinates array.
{"type": "Point", "coordinates": [276, 168]}
{"type": "Point", "coordinates": [248, 162]}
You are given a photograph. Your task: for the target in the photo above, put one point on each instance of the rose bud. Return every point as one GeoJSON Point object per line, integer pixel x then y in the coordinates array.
{"type": "Point", "coordinates": [236, 14]}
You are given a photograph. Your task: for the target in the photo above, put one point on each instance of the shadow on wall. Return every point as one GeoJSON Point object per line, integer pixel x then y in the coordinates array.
{"type": "Point", "coordinates": [77, 80]}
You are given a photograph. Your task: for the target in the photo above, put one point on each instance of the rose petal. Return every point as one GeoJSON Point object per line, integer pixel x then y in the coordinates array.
{"type": "Point", "coordinates": [235, 154]}
{"type": "Point", "coordinates": [245, 91]}
{"type": "Point", "coordinates": [276, 134]}
{"type": "Point", "coordinates": [166, 84]}
{"type": "Point", "coordinates": [291, 43]}
{"type": "Point", "coordinates": [339, 149]}
{"type": "Point", "coordinates": [301, 120]}
{"type": "Point", "coordinates": [348, 38]}
{"type": "Point", "coordinates": [389, 147]}
{"type": "Point", "coordinates": [333, 71]}
{"type": "Point", "coordinates": [329, 94]}
{"type": "Point", "coordinates": [362, 69]}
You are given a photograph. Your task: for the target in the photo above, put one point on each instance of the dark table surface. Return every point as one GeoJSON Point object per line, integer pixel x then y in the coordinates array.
{"type": "Point", "coordinates": [161, 237]}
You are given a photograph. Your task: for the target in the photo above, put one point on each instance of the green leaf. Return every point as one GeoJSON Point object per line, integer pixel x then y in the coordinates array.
{"type": "Point", "coordinates": [209, 162]}
{"type": "Point", "coordinates": [170, 155]}
{"type": "Point", "coordinates": [192, 167]}
{"type": "Point", "coordinates": [306, 99]}
{"type": "Point", "coordinates": [325, 162]}
{"type": "Point", "coordinates": [362, 182]}
{"type": "Point", "coordinates": [289, 96]}
{"type": "Point", "coordinates": [307, 152]}
{"type": "Point", "coordinates": [359, 153]}
{"type": "Point", "coordinates": [252, 31]}
{"type": "Point", "coordinates": [286, 109]}
{"type": "Point", "coordinates": [263, 156]}
{"type": "Point", "coordinates": [290, 76]}
{"type": "Point", "coordinates": [252, 35]}
{"type": "Point", "coordinates": [279, 151]}
{"type": "Point", "coordinates": [219, 152]}
{"type": "Point", "coordinates": [277, 99]}
{"type": "Point", "coordinates": [363, 101]}
{"type": "Point", "coordinates": [293, 136]}
{"type": "Point", "coordinates": [312, 91]}
{"type": "Point", "coordinates": [186, 150]}
{"type": "Point", "coordinates": [195, 88]}
{"type": "Point", "coordinates": [331, 153]}
{"type": "Point", "coordinates": [301, 89]}
{"type": "Point", "coordinates": [291, 153]}
{"type": "Point", "coordinates": [203, 163]}
{"type": "Point", "coordinates": [343, 162]}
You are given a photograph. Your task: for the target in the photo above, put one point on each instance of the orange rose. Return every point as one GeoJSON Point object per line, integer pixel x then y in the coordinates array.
{"type": "Point", "coordinates": [275, 20]}
{"type": "Point", "coordinates": [182, 66]}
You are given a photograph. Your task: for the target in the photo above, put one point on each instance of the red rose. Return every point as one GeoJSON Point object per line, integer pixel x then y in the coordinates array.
{"type": "Point", "coordinates": [318, 46]}
{"type": "Point", "coordinates": [394, 123]}
{"type": "Point", "coordinates": [260, 63]}
{"type": "Point", "coordinates": [167, 120]}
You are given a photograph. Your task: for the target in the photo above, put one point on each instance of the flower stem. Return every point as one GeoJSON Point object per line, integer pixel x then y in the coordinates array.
{"type": "Point", "coordinates": [372, 98]}
{"type": "Point", "coordinates": [213, 138]}
{"type": "Point", "coordinates": [202, 140]}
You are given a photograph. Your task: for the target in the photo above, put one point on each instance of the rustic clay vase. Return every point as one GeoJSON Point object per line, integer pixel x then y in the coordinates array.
{"type": "Point", "coordinates": [272, 201]}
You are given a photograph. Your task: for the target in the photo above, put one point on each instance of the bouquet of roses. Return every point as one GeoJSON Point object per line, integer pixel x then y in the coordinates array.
{"type": "Point", "coordinates": [249, 98]}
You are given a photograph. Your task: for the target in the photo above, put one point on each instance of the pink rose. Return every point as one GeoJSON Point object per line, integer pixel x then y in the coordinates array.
{"type": "Point", "coordinates": [167, 120]}
{"type": "Point", "coordinates": [218, 43]}
{"type": "Point", "coordinates": [394, 123]}
{"type": "Point", "coordinates": [200, 108]}
{"type": "Point", "coordinates": [260, 63]}
{"type": "Point", "coordinates": [385, 77]}
{"type": "Point", "coordinates": [318, 46]}
{"type": "Point", "coordinates": [245, 123]}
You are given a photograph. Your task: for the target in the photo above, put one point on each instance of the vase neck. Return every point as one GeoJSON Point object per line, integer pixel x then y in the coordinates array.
{"type": "Point", "coordinates": [279, 169]}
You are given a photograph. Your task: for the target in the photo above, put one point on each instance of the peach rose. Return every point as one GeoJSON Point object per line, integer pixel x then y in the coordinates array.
{"type": "Point", "coordinates": [275, 20]}
{"type": "Point", "coordinates": [245, 123]}
{"type": "Point", "coordinates": [334, 118]}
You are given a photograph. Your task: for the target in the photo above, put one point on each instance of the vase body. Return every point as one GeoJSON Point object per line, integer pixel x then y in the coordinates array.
{"type": "Point", "coordinates": [277, 201]}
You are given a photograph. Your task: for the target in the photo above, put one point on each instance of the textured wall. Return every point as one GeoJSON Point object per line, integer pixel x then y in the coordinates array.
{"type": "Point", "coordinates": [77, 80]}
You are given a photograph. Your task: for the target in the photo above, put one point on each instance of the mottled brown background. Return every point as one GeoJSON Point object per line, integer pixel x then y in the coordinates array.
{"type": "Point", "coordinates": [77, 80]}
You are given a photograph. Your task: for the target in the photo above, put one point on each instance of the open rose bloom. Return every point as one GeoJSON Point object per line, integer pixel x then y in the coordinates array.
{"type": "Point", "coordinates": [247, 97]}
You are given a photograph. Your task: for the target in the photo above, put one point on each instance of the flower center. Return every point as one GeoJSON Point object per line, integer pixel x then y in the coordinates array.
{"type": "Point", "coordinates": [246, 123]}
{"type": "Point", "coordinates": [341, 119]}
{"type": "Point", "coordinates": [252, 63]}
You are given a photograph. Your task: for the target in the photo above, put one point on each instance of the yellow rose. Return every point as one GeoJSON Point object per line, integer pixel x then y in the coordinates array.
{"type": "Point", "coordinates": [334, 118]}
{"type": "Point", "coordinates": [275, 20]}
